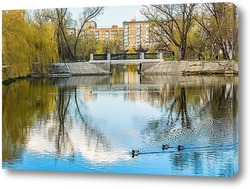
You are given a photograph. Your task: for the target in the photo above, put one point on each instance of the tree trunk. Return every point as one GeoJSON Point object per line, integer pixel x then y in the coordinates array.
{"type": "Point", "coordinates": [182, 52]}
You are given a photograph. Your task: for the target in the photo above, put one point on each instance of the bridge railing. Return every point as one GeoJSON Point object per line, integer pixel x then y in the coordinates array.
{"type": "Point", "coordinates": [151, 55]}
{"type": "Point", "coordinates": [100, 56]}
{"type": "Point", "coordinates": [133, 56]}
{"type": "Point", "coordinates": [125, 56]}
{"type": "Point", "coordinates": [118, 56]}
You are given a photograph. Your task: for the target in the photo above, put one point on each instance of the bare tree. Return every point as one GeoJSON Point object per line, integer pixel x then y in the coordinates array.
{"type": "Point", "coordinates": [61, 32]}
{"type": "Point", "coordinates": [172, 22]}
{"type": "Point", "coordinates": [219, 22]}
{"type": "Point", "coordinates": [61, 17]}
{"type": "Point", "coordinates": [87, 14]}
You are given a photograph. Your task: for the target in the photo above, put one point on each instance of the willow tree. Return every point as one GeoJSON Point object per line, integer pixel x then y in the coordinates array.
{"type": "Point", "coordinates": [171, 23]}
{"type": "Point", "coordinates": [44, 38]}
{"type": "Point", "coordinates": [25, 42]}
{"type": "Point", "coordinates": [15, 46]}
{"type": "Point", "coordinates": [42, 43]}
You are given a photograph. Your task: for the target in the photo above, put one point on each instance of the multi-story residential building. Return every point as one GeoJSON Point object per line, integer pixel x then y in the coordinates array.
{"type": "Point", "coordinates": [90, 25]}
{"type": "Point", "coordinates": [105, 34]}
{"type": "Point", "coordinates": [137, 35]}
{"type": "Point", "coordinates": [134, 34]}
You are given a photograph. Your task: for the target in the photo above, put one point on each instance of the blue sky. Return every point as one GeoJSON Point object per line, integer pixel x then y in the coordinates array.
{"type": "Point", "coordinates": [113, 15]}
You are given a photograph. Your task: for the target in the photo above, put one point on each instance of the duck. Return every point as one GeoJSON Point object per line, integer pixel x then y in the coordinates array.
{"type": "Point", "coordinates": [180, 147]}
{"type": "Point", "coordinates": [135, 153]}
{"type": "Point", "coordinates": [165, 146]}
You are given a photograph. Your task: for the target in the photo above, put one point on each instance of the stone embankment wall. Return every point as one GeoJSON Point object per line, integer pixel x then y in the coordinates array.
{"type": "Point", "coordinates": [75, 69]}
{"type": "Point", "coordinates": [81, 68]}
{"type": "Point", "coordinates": [104, 66]}
{"type": "Point", "coordinates": [192, 68]}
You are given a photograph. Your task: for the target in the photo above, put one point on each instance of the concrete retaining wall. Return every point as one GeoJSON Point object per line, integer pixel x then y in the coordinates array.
{"type": "Point", "coordinates": [161, 68]}
{"type": "Point", "coordinates": [146, 66]}
{"type": "Point", "coordinates": [78, 68]}
{"type": "Point", "coordinates": [81, 68]}
{"type": "Point", "coordinates": [104, 66]}
{"type": "Point", "coordinates": [192, 68]}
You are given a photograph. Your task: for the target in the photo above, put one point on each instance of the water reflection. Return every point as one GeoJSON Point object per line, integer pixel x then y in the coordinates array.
{"type": "Point", "coordinates": [119, 76]}
{"type": "Point", "coordinates": [24, 103]}
{"type": "Point", "coordinates": [195, 110]}
{"type": "Point", "coordinates": [93, 122]}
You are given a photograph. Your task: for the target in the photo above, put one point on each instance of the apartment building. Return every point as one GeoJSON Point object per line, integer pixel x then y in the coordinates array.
{"type": "Point", "coordinates": [137, 35]}
{"type": "Point", "coordinates": [105, 34]}
{"type": "Point", "coordinates": [134, 34]}
{"type": "Point", "coordinates": [90, 25]}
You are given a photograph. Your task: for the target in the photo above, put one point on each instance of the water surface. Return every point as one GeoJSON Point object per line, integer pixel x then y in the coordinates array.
{"type": "Point", "coordinates": [91, 124]}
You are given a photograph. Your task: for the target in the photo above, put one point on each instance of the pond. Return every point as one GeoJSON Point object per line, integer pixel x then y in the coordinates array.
{"type": "Point", "coordinates": [91, 124]}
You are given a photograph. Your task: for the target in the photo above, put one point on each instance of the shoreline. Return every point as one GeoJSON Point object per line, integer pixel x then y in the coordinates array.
{"type": "Point", "coordinates": [193, 68]}
{"type": "Point", "coordinates": [185, 68]}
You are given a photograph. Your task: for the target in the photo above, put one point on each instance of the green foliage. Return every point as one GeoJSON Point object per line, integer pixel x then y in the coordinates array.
{"type": "Point", "coordinates": [114, 46]}
{"type": "Point", "coordinates": [99, 48]}
{"type": "Point", "coordinates": [195, 31]}
{"type": "Point", "coordinates": [131, 51]}
{"type": "Point", "coordinates": [15, 52]}
{"type": "Point", "coordinates": [24, 43]}
{"type": "Point", "coordinates": [152, 50]}
{"type": "Point", "coordinates": [171, 24]}
{"type": "Point", "coordinates": [89, 45]}
{"type": "Point", "coordinates": [218, 24]}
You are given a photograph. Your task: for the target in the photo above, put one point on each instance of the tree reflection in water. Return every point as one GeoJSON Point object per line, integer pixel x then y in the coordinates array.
{"type": "Point", "coordinates": [197, 116]}
{"type": "Point", "coordinates": [57, 117]}
{"type": "Point", "coordinates": [24, 102]}
{"type": "Point", "coordinates": [192, 112]}
{"type": "Point", "coordinates": [91, 133]}
{"type": "Point", "coordinates": [181, 109]}
{"type": "Point", "coordinates": [174, 103]}
{"type": "Point", "coordinates": [63, 143]}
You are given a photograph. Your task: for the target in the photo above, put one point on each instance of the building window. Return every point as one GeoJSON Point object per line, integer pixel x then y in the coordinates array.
{"type": "Point", "coordinates": [114, 32]}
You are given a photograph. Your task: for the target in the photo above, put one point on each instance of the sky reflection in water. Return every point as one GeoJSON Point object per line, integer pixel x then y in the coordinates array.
{"type": "Point", "coordinates": [91, 124]}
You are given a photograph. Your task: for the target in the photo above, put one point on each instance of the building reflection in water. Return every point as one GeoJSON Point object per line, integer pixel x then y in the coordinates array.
{"type": "Point", "coordinates": [125, 74]}
{"type": "Point", "coordinates": [87, 116]}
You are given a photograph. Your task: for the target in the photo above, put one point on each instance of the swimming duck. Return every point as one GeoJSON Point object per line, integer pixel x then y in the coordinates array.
{"type": "Point", "coordinates": [135, 153]}
{"type": "Point", "coordinates": [180, 147]}
{"type": "Point", "coordinates": [165, 146]}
